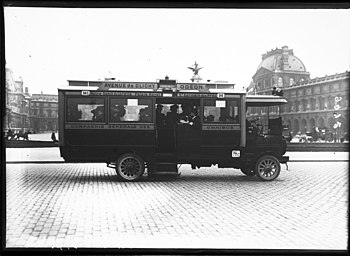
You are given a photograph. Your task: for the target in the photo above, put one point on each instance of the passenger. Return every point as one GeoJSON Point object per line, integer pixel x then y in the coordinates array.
{"type": "Point", "coordinates": [194, 119]}
{"type": "Point", "coordinates": [98, 114]}
{"type": "Point", "coordinates": [160, 117]}
{"type": "Point", "coordinates": [145, 115]}
{"type": "Point", "coordinates": [184, 117]}
{"type": "Point", "coordinates": [117, 113]}
{"type": "Point", "coordinates": [74, 114]}
{"type": "Point", "coordinates": [172, 116]}
{"type": "Point", "coordinates": [210, 118]}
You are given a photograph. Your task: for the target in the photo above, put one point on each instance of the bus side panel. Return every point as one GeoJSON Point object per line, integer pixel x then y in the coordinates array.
{"type": "Point", "coordinates": [103, 145]}
{"type": "Point", "coordinates": [218, 145]}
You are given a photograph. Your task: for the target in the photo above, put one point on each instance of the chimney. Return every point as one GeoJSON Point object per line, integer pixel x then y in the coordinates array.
{"type": "Point", "coordinates": [26, 90]}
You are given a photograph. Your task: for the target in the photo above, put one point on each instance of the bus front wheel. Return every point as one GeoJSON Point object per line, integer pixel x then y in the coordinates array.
{"type": "Point", "coordinates": [130, 167]}
{"type": "Point", "coordinates": [267, 168]}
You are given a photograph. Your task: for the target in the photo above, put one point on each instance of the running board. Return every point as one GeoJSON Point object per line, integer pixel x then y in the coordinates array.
{"type": "Point", "coordinates": [166, 167]}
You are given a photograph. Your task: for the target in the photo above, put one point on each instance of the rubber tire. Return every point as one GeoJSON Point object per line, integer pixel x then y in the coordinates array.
{"type": "Point", "coordinates": [123, 170]}
{"type": "Point", "coordinates": [265, 162]}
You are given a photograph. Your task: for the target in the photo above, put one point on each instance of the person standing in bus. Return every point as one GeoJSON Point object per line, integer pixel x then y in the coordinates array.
{"type": "Point", "coordinates": [184, 117]}
{"type": "Point", "coordinates": [160, 117]}
{"type": "Point", "coordinates": [172, 116]}
{"type": "Point", "coordinates": [194, 120]}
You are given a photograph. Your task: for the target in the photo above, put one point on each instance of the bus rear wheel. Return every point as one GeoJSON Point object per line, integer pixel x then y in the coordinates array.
{"type": "Point", "coordinates": [267, 168]}
{"type": "Point", "coordinates": [130, 167]}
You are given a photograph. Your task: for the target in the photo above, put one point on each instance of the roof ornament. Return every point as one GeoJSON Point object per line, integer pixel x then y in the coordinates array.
{"type": "Point", "coordinates": [195, 70]}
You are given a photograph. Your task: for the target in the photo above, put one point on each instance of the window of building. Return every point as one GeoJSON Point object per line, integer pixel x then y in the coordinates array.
{"type": "Point", "coordinates": [305, 105]}
{"type": "Point", "coordinates": [325, 88]}
{"type": "Point", "coordinates": [282, 108]}
{"type": "Point", "coordinates": [85, 109]}
{"type": "Point", "coordinates": [221, 111]}
{"type": "Point", "coordinates": [130, 110]}
{"type": "Point", "coordinates": [259, 86]}
{"type": "Point", "coordinates": [291, 81]}
{"type": "Point", "coordinates": [321, 104]}
{"type": "Point", "coordinates": [331, 102]}
{"type": "Point", "coordinates": [280, 82]}
{"type": "Point", "coordinates": [313, 104]}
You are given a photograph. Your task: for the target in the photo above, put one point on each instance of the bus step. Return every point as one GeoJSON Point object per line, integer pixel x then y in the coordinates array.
{"type": "Point", "coordinates": [167, 163]}
{"type": "Point", "coordinates": [165, 167]}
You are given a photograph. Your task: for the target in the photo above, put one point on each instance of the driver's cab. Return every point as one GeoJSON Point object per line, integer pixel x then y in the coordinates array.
{"type": "Point", "coordinates": [262, 127]}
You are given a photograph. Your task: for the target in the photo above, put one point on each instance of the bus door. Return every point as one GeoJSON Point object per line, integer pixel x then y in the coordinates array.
{"type": "Point", "coordinates": [188, 129]}
{"type": "Point", "coordinates": [166, 120]}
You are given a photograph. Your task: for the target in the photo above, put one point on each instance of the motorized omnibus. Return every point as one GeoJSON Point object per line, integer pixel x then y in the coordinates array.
{"type": "Point", "coordinates": [156, 126]}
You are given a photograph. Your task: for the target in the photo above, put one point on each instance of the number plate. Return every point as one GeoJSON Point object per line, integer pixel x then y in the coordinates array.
{"type": "Point", "coordinates": [236, 153]}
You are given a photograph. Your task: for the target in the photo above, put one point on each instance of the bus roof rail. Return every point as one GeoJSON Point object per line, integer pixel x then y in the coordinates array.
{"type": "Point", "coordinates": [264, 100]}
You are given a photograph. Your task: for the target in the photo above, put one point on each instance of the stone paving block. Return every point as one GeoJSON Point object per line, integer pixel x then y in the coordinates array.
{"type": "Point", "coordinates": [80, 204]}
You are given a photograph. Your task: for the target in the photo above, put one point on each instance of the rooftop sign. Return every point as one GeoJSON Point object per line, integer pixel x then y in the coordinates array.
{"type": "Point", "coordinates": [151, 86]}
{"type": "Point", "coordinates": [127, 85]}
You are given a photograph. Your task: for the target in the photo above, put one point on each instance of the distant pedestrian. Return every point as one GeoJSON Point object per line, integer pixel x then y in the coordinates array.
{"type": "Point", "coordinates": [53, 137]}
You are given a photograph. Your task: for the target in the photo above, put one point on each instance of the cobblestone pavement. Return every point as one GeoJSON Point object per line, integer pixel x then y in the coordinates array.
{"type": "Point", "coordinates": [83, 205]}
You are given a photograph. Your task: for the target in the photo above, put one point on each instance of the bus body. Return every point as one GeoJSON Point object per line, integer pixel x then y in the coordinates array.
{"type": "Point", "coordinates": [135, 127]}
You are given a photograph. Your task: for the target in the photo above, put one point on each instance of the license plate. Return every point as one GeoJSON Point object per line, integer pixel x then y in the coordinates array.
{"type": "Point", "coordinates": [236, 153]}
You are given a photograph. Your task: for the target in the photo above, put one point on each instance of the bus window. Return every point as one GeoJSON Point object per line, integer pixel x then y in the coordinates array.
{"type": "Point", "coordinates": [85, 109]}
{"type": "Point", "coordinates": [130, 110]}
{"type": "Point", "coordinates": [221, 111]}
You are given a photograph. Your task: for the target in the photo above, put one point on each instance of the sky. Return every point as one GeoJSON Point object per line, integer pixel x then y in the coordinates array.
{"type": "Point", "coordinates": [48, 46]}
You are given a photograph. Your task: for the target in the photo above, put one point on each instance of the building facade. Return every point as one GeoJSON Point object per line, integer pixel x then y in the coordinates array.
{"type": "Point", "coordinates": [318, 102]}
{"type": "Point", "coordinates": [17, 103]}
{"type": "Point", "coordinates": [37, 112]}
{"type": "Point", "coordinates": [44, 112]}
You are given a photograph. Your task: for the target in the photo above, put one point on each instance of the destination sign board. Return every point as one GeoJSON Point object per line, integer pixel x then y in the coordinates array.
{"type": "Point", "coordinates": [127, 85]}
{"type": "Point", "coordinates": [192, 86]}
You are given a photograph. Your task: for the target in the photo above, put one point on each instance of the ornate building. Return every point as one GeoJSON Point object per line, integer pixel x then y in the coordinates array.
{"type": "Point", "coordinates": [44, 112]}
{"type": "Point", "coordinates": [37, 112]}
{"type": "Point", "coordinates": [318, 102]}
{"type": "Point", "coordinates": [17, 107]}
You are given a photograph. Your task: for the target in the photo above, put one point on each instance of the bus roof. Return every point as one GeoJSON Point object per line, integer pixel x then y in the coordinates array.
{"type": "Point", "coordinates": [95, 88]}
{"type": "Point", "coordinates": [264, 100]}
{"type": "Point", "coordinates": [151, 87]}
